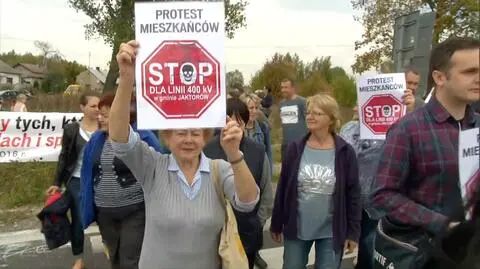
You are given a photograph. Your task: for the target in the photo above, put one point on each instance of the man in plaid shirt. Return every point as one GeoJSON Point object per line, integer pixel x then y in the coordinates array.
{"type": "Point", "coordinates": [417, 181]}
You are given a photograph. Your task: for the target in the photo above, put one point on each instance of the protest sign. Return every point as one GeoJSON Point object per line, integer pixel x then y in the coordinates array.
{"type": "Point", "coordinates": [27, 137]}
{"type": "Point", "coordinates": [380, 103]}
{"type": "Point", "coordinates": [469, 163]}
{"type": "Point", "coordinates": [180, 66]}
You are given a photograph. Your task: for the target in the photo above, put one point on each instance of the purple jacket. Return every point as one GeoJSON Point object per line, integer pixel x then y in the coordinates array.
{"type": "Point", "coordinates": [347, 205]}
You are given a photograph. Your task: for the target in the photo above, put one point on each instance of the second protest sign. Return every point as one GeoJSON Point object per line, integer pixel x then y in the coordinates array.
{"type": "Point", "coordinates": [180, 79]}
{"type": "Point", "coordinates": [380, 103]}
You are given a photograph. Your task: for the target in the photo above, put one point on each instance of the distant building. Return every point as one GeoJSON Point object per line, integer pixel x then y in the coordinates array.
{"type": "Point", "coordinates": [31, 73]}
{"type": "Point", "coordinates": [9, 75]}
{"type": "Point", "coordinates": [93, 79]}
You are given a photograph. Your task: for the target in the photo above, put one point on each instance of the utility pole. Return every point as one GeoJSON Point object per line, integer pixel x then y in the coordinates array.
{"type": "Point", "coordinates": [412, 42]}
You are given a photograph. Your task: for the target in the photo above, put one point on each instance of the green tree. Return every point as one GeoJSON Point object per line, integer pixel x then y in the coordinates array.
{"type": "Point", "coordinates": [460, 17]}
{"type": "Point", "coordinates": [313, 77]}
{"type": "Point", "coordinates": [113, 21]}
{"type": "Point", "coordinates": [235, 80]}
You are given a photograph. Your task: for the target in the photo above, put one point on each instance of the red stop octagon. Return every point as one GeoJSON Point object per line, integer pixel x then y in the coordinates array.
{"type": "Point", "coordinates": [380, 112]}
{"type": "Point", "coordinates": [180, 79]}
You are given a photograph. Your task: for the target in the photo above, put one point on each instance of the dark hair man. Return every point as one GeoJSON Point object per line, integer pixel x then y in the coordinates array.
{"type": "Point", "coordinates": [417, 181]}
{"type": "Point", "coordinates": [292, 113]}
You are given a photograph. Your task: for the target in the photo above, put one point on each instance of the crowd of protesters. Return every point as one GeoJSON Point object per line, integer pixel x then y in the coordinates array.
{"type": "Point", "coordinates": [156, 198]}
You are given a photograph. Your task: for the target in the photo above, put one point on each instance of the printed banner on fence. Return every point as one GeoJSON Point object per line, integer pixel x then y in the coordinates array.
{"type": "Point", "coordinates": [469, 163]}
{"type": "Point", "coordinates": [26, 137]}
{"type": "Point", "coordinates": [180, 74]}
{"type": "Point", "coordinates": [380, 103]}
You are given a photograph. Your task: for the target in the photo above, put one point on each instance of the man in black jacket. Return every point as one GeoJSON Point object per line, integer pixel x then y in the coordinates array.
{"type": "Point", "coordinates": [250, 225]}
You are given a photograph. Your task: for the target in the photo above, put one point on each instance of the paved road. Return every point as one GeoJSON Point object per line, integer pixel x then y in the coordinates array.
{"type": "Point", "coordinates": [35, 255]}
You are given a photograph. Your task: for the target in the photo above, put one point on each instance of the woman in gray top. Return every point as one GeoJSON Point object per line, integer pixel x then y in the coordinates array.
{"type": "Point", "coordinates": [184, 216]}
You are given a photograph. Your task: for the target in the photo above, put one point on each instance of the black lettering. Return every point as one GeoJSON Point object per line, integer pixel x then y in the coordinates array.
{"type": "Point", "coordinates": [158, 14]}
{"type": "Point", "coordinates": [65, 121]}
{"type": "Point", "coordinates": [179, 27]}
{"type": "Point", "coordinates": [18, 120]}
{"type": "Point", "coordinates": [473, 151]}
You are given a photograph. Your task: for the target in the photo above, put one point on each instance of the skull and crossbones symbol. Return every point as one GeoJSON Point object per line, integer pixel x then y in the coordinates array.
{"type": "Point", "coordinates": [188, 74]}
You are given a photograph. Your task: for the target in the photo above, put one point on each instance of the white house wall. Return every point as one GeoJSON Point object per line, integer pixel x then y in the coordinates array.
{"type": "Point", "coordinates": [4, 78]}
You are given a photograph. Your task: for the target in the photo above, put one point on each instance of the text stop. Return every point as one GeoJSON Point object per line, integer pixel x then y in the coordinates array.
{"type": "Point", "coordinates": [188, 72]}
{"type": "Point", "coordinates": [382, 111]}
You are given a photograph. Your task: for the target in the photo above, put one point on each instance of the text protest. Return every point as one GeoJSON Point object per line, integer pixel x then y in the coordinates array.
{"type": "Point", "coordinates": [469, 163]}
{"type": "Point", "coordinates": [28, 137]}
{"type": "Point", "coordinates": [380, 105]}
{"type": "Point", "coordinates": [180, 20]}
{"type": "Point", "coordinates": [180, 65]}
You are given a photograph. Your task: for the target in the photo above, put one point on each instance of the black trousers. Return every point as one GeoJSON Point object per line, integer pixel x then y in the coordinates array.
{"type": "Point", "coordinates": [122, 230]}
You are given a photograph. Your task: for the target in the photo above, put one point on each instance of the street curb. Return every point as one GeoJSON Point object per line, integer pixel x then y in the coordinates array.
{"type": "Point", "coordinates": [34, 235]}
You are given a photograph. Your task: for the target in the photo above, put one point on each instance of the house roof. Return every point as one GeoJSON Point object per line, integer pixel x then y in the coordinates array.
{"type": "Point", "coordinates": [6, 68]}
{"type": "Point", "coordinates": [34, 71]}
{"type": "Point", "coordinates": [98, 74]}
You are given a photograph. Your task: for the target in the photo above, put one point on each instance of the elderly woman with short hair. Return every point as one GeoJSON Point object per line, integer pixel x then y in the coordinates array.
{"type": "Point", "coordinates": [184, 216]}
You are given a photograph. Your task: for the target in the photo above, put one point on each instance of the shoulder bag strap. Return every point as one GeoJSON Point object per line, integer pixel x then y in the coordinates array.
{"type": "Point", "coordinates": [215, 176]}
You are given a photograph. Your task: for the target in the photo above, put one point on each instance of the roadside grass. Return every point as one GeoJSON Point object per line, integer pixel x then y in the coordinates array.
{"type": "Point", "coordinates": [24, 183]}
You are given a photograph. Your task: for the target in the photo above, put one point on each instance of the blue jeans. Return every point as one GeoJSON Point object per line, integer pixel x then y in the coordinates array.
{"type": "Point", "coordinates": [295, 254]}
{"type": "Point", "coordinates": [77, 236]}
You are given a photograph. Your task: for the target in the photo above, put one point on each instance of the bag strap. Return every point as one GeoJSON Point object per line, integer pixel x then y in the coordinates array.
{"type": "Point", "coordinates": [215, 176]}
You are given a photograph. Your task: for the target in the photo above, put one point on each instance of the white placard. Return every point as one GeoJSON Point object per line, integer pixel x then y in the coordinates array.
{"type": "Point", "coordinates": [29, 136]}
{"type": "Point", "coordinates": [429, 96]}
{"type": "Point", "coordinates": [380, 103]}
{"type": "Point", "coordinates": [180, 67]}
{"type": "Point", "coordinates": [468, 162]}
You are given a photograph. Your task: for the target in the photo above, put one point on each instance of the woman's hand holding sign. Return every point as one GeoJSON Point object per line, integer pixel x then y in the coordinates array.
{"type": "Point", "coordinates": [120, 110]}
{"type": "Point", "coordinates": [230, 140]}
{"type": "Point", "coordinates": [126, 56]}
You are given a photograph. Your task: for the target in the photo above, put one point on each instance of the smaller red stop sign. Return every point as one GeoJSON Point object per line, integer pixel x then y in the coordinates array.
{"type": "Point", "coordinates": [380, 112]}
{"type": "Point", "coordinates": [180, 79]}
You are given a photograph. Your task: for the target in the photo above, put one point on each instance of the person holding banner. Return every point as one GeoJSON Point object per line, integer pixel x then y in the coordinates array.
{"type": "Point", "coordinates": [417, 181]}
{"type": "Point", "coordinates": [368, 155]}
{"type": "Point", "coordinates": [318, 195]}
{"type": "Point", "coordinates": [75, 136]}
{"type": "Point", "coordinates": [111, 194]}
{"type": "Point", "coordinates": [184, 215]}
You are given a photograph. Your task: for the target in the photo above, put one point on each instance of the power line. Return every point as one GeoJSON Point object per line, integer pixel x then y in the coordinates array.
{"type": "Point", "coordinates": [237, 46]}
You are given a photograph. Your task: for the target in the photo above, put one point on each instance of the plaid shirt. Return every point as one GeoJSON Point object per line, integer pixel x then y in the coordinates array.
{"type": "Point", "coordinates": [417, 181]}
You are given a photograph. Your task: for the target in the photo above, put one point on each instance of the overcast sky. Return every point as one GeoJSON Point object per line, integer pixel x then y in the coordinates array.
{"type": "Point", "coordinates": [311, 28]}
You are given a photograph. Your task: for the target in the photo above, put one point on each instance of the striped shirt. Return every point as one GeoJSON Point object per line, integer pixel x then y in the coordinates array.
{"type": "Point", "coordinates": [108, 192]}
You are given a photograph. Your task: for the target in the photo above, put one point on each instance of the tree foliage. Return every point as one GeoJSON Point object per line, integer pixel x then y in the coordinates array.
{"type": "Point", "coordinates": [460, 18]}
{"type": "Point", "coordinates": [235, 80]}
{"type": "Point", "coordinates": [113, 21]}
{"type": "Point", "coordinates": [311, 78]}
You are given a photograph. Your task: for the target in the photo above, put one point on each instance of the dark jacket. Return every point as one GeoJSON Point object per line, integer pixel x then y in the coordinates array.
{"type": "Point", "coordinates": [55, 222]}
{"type": "Point", "coordinates": [346, 197]}
{"type": "Point", "coordinates": [68, 155]}
{"type": "Point", "coordinates": [249, 226]}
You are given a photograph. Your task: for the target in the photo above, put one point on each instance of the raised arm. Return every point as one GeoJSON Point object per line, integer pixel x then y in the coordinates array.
{"type": "Point", "coordinates": [120, 110]}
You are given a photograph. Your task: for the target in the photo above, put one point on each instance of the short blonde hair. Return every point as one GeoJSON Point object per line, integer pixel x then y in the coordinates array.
{"type": "Point", "coordinates": [251, 97]}
{"type": "Point", "coordinates": [329, 106]}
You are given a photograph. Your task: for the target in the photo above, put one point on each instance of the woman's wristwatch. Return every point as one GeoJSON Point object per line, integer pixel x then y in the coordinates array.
{"type": "Point", "coordinates": [237, 160]}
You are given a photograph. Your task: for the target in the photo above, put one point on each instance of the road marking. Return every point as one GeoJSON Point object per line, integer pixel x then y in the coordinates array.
{"type": "Point", "coordinates": [33, 235]}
